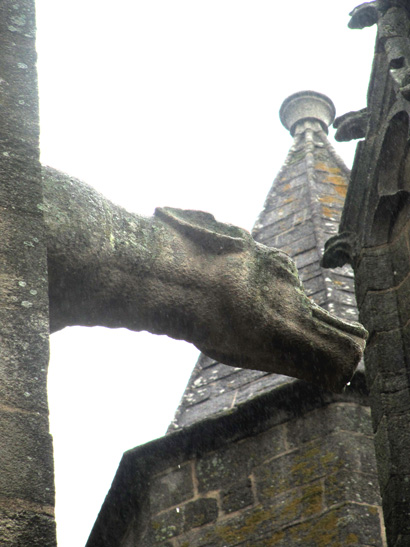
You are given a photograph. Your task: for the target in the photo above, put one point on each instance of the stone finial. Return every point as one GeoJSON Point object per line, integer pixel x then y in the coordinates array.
{"type": "Point", "coordinates": [307, 105]}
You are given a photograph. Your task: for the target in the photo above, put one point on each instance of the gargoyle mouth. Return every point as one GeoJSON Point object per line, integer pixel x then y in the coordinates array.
{"type": "Point", "coordinates": [356, 330]}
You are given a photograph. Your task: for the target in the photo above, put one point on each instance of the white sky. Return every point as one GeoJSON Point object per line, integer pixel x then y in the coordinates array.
{"type": "Point", "coordinates": [167, 102]}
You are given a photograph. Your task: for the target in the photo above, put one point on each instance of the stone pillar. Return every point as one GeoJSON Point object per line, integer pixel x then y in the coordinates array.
{"type": "Point", "coordinates": [26, 461]}
{"type": "Point", "coordinates": [375, 238]}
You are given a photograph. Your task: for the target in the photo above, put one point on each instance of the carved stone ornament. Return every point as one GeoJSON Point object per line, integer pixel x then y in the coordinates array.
{"type": "Point", "coordinates": [339, 250]}
{"type": "Point", "coordinates": [352, 125]}
{"type": "Point", "coordinates": [184, 274]}
{"type": "Point", "coordinates": [365, 15]}
{"type": "Point", "coordinates": [393, 20]}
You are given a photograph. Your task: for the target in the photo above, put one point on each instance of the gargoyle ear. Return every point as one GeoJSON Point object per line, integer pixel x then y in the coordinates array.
{"type": "Point", "coordinates": [202, 228]}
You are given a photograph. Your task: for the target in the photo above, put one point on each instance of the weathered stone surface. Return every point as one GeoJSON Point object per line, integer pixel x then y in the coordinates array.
{"type": "Point", "coordinates": [294, 504]}
{"type": "Point", "coordinates": [379, 322]}
{"type": "Point", "coordinates": [237, 496]}
{"type": "Point", "coordinates": [294, 234]}
{"type": "Point", "coordinates": [347, 525]}
{"type": "Point", "coordinates": [390, 395]}
{"type": "Point", "coordinates": [350, 524]}
{"type": "Point", "coordinates": [184, 274]}
{"type": "Point", "coordinates": [322, 422]}
{"type": "Point", "coordinates": [26, 528]}
{"type": "Point", "coordinates": [283, 224]}
{"type": "Point", "coordinates": [338, 452]}
{"type": "Point", "coordinates": [396, 499]}
{"type": "Point", "coordinates": [299, 246]}
{"type": "Point", "coordinates": [171, 488]}
{"type": "Point", "coordinates": [348, 485]}
{"type": "Point", "coordinates": [26, 464]}
{"type": "Point", "coordinates": [26, 457]}
{"type": "Point", "coordinates": [223, 468]}
{"type": "Point", "coordinates": [385, 354]}
{"type": "Point", "coordinates": [398, 435]}
{"type": "Point", "coordinates": [200, 512]}
{"type": "Point", "coordinates": [236, 457]}
{"type": "Point", "coordinates": [165, 526]}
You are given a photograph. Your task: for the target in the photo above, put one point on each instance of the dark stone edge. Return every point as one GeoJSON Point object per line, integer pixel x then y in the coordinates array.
{"type": "Point", "coordinates": [126, 501]}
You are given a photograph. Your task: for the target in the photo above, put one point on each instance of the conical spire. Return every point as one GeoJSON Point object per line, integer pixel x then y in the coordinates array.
{"type": "Point", "coordinates": [304, 205]}
{"type": "Point", "coordinates": [302, 210]}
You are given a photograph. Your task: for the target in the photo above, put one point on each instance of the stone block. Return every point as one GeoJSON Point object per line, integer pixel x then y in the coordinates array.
{"type": "Point", "coordinates": [351, 524]}
{"type": "Point", "coordinates": [379, 312]}
{"type": "Point", "coordinates": [289, 208]}
{"type": "Point", "coordinates": [24, 327]}
{"type": "Point", "coordinates": [374, 271]}
{"type": "Point", "coordinates": [306, 259]}
{"type": "Point", "coordinates": [385, 354]}
{"type": "Point", "coordinates": [233, 464]}
{"type": "Point", "coordinates": [392, 442]}
{"type": "Point", "coordinates": [20, 163]}
{"type": "Point", "coordinates": [245, 528]}
{"type": "Point", "coordinates": [314, 285]}
{"type": "Point", "coordinates": [396, 508]}
{"type": "Point", "coordinates": [389, 395]}
{"type": "Point", "coordinates": [400, 258]}
{"type": "Point", "coordinates": [237, 496]}
{"type": "Point", "coordinates": [171, 488]}
{"type": "Point", "coordinates": [20, 128]}
{"type": "Point", "coordinates": [20, 24]}
{"type": "Point", "coordinates": [274, 225]}
{"type": "Point", "coordinates": [19, 113]}
{"type": "Point", "coordinates": [403, 301]}
{"type": "Point", "coordinates": [164, 526]}
{"type": "Point", "coordinates": [23, 376]}
{"type": "Point", "coordinates": [337, 452]}
{"type": "Point", "coordinates": [26, 529]}
{"type": "Point", "coordinates": [249, 390]}
{"type": "Point", "coordinates": [301, 245]}
{"type": "Point", "coordinates": [350, 486]}
{"type": "Point", "coordinates": [26, 457]}
{"type": "Point", "coordinates": [295, 504]}
{"type": "Point", "coordinates": [383, 453]}
{"type": "Point", "coordinates": [200, 512]}
{"type": "Point", "coordinates": [230, 465]}
{"type": "Point", "coordinates": [296, 233]}
{"type": "Point", "coordinates": [309, 271]}
{"type": "Point", "coordinates": [328, 419]}
{"type": "Point", "coordinates": [196, 413]}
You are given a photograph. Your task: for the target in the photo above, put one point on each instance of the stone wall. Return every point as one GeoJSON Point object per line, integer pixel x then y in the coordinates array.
{"type": "Point", "coordinates": [309, 480]}
{"type": "Point", "coordinates": [383, 282]}
{"type": "Point", "coordinates": [26, 462]}
{"type": "Point", "coordinates": [375, 237]}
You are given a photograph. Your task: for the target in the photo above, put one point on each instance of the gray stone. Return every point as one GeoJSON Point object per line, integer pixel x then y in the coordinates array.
{"type": "Point", "coordinates": [184, 274]}
{"type": "Point", "coordinates": [25, 528]}
{"type": "Point", "coordinates": [171, 488]}
{"type": "Point", "coordinates": [237, 497]}
{"type": "Point", "coordinates": [200, 512]}
{"type": "Point", "coordinates": [26, 457]}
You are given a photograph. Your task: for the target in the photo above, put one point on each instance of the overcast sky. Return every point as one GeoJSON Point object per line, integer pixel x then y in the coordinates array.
{"type": "Point", "coordinates": [167, 102]}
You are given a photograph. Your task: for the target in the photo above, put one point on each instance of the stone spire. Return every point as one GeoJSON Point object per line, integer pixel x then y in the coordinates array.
{"type": "Point", "coordinates": [302, 210]}
{"type": "Point", "coordinates": [304, 205]}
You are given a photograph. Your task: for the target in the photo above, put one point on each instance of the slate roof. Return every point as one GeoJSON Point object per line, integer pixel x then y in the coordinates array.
{"type": "Point", "coordinates": [302, 210]}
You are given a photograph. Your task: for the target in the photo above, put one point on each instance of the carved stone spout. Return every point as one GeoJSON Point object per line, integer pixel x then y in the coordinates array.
{"type": "Point", "coordinates": [184, 274]}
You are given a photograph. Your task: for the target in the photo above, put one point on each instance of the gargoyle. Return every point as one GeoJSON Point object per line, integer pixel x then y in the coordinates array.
{"type": "Point", "coordinates": [351, 125]}
{"type": "Point", "coordinates": [184, 274]}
